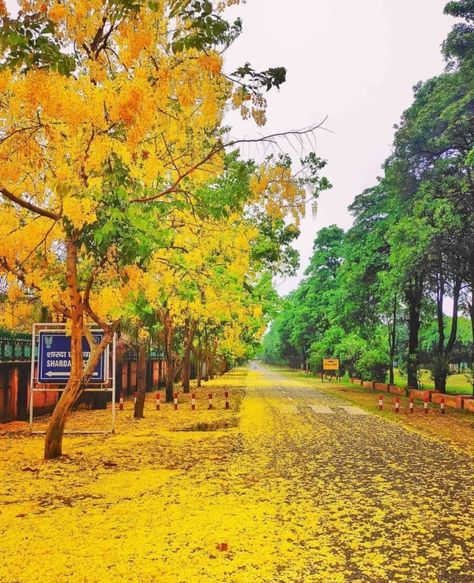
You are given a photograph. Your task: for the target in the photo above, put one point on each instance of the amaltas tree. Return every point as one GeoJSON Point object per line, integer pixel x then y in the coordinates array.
{"type": "Point", "coordinates": [110, 122]}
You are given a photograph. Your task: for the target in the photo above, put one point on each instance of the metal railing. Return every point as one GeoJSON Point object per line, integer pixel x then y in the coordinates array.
{"type": "Point", "coordinates": [15, 348]}
{"type": "Point", "coordinates": [154, 354]}
{"type": "Point", "coordinates": [18, 349]}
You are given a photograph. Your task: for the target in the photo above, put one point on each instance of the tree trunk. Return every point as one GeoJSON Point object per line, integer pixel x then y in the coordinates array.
{"type": "Point", "coordinates": [392, 342]}
{"type": "Point", "coordinates": [199, 372]}
{"type": "Point", "coordinates": [79, 375]}
{"type": "Point", "coordinates": [141, 380]}
{"type": "Point", "coordinates": [170, 358]}
{"type": "Point", "coordinates": [470, 306]}
{"type": "Point", "coordinates": [206, 359]}
{"type": "Point", "coordinates": [118, 368]}
{"type": "Point", "coordinates": [198, 360]}
{"type": "Point", "coordinates": [440, 376]}
{"type": "Point", "coordinates": [211, 367]}
{"type": "Point", "coordinates": [440, 369]}
{"type": "Point", "coordinates": [471, 313]}
{"type": "Point", "coordinates": [454, 323]}
{"type": "Point", "coordinates": [55, 430]}
{"type": "Point", "coordinates": [224, 367]}
{"type": "Point", "coordinates": [443, 354]}
{"type": "Point", "coordinates": [169, 384]}
{"type": "Point", "coordinates": [414, 296]}
{"type": "Point", "coordinates": [212, 360]}
{"type": "Point", "coordinates": [186, 373]}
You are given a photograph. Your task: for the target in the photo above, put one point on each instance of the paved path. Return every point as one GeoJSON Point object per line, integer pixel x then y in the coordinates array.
{"type": "Point", "coordinates": [307, 488]}
{"type": "Point", "coordinates": [368, 500]}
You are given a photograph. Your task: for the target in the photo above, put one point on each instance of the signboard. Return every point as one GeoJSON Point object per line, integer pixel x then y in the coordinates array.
{"type": "Point", "coordinates": [54, 358]}
{"type": "Point", "coordinates": [330, 364]}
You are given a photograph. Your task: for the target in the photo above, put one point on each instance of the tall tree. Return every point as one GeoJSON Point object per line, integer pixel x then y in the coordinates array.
{"type": "Point", "coordinates": [100, 142]}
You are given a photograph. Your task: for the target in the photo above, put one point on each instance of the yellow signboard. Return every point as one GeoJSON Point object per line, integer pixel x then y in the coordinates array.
{"type": "Point", "coordinates": [330, 364]}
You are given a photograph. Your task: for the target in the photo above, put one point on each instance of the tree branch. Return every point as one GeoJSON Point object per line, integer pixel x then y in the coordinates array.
{"type": "Point", "coordinates": [28, 205]}
{"type": "Point", "coordinates": [218, 147]}
{"type": "Point", "coordinates": [62, 309]}
{"type": "Point", "coordinates": [181, 177]}
{"type": "Point", "coordinates": [87, 307]}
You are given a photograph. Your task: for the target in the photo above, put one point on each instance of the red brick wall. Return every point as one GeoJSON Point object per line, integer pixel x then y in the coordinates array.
{"type": "Point", "coordinates": [133, 374]}
{"type": "Point", "coordinates": [155, 373]}
{"type": "Point", "coordinates": [469, 405]}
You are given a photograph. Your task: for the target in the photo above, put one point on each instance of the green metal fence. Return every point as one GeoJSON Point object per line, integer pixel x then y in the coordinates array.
{"type": "Point", "coordinates": [15, 348]}
{"type": "Point", "coordinates": [153, 354]}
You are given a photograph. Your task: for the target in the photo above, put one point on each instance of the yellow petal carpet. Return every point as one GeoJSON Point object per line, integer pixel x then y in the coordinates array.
{"type": "Point", "coordinates": [286, 486]}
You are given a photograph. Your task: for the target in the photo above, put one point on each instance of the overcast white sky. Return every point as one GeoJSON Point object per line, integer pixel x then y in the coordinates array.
{"type": "Point", "coordinates": [354, 61]}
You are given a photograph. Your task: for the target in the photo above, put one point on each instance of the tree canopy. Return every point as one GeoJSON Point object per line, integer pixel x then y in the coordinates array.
{"type": "Point", "coordinates": [122, 197]}
{"type": "Point", "coordinates": [410, 247]}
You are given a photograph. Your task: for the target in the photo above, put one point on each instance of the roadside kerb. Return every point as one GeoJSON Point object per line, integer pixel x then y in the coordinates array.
{"type": "Point", "coordinates": [455, 401]}
{"type": "Point", "coordinates": [394, 390]}
{"type": "Point", "coordinates": [468, 405]}
{"type": "Point", "coordinates": [464, 402]}
{"type": "Point", "coordinates": [421, 395]}
{"type": "Point", "coordinates": [191, 399]}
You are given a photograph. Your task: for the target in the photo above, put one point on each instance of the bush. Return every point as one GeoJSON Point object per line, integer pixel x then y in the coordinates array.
{"type": "Point", "coordinates": [350, 349]}
{"type": "Point", "coordinates": [373, 365]}
{"type": "Point", "coordinates": [315, 360]}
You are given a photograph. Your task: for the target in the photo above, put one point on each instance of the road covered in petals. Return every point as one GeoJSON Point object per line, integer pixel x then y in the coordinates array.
{"type": "Point", "coordinates": [365, 499]}
{"type": "Point", "coordinates": [290, 485]}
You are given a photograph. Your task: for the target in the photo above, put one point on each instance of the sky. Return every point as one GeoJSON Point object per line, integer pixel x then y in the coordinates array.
{"type": "Point", "coordinates": [355, 62]}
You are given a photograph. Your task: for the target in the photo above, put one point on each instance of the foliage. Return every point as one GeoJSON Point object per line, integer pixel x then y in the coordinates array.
{"type": "Point", "coordinates": [373, 364]}
{"type": "Point", "coordinates": [118, 199]}
{"type": "Point", "coordinates": [381, 298]}
{"type": "Point", "coordinates": [459, 45]}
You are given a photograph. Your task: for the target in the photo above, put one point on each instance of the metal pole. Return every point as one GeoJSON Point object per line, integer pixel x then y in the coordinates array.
{"type": "Point", "coordinates": [32, 374]}
{"type": "Point", "coordinates": [114, 342]}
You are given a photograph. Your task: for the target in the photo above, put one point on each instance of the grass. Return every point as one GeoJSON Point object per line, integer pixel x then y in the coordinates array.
{"type": "Point", "coordinates": [457, 384]}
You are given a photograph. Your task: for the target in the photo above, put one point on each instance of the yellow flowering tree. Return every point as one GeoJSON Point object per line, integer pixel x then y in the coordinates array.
{"type": "Point", "coordinates": [110, 112]}
{"type": "Point", "coordinates": [110, 122]}
{"type": "Point", "coordinates": [200, 292]}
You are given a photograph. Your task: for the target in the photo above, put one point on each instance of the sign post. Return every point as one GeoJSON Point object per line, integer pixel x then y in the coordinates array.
{"type": "Point", "coordinates": [330, 365]}
{"type": "Point", "coordinates": [51, 365]}
{"type": "Point", "coordinates": [54, 358]}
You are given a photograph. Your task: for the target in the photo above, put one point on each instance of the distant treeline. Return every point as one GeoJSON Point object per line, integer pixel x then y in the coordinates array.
{"type": "Point", "coordinates": [376, 295]}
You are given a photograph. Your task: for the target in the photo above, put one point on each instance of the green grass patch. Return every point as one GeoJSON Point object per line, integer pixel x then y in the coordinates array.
{"type": "Point", "coordinates": [457, 384]}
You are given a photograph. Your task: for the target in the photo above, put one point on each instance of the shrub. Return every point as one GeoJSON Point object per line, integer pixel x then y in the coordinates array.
{"type": "Point", "coordinates": [373, 365]}
{"type": "Point", "coordinates": [349, 350]}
